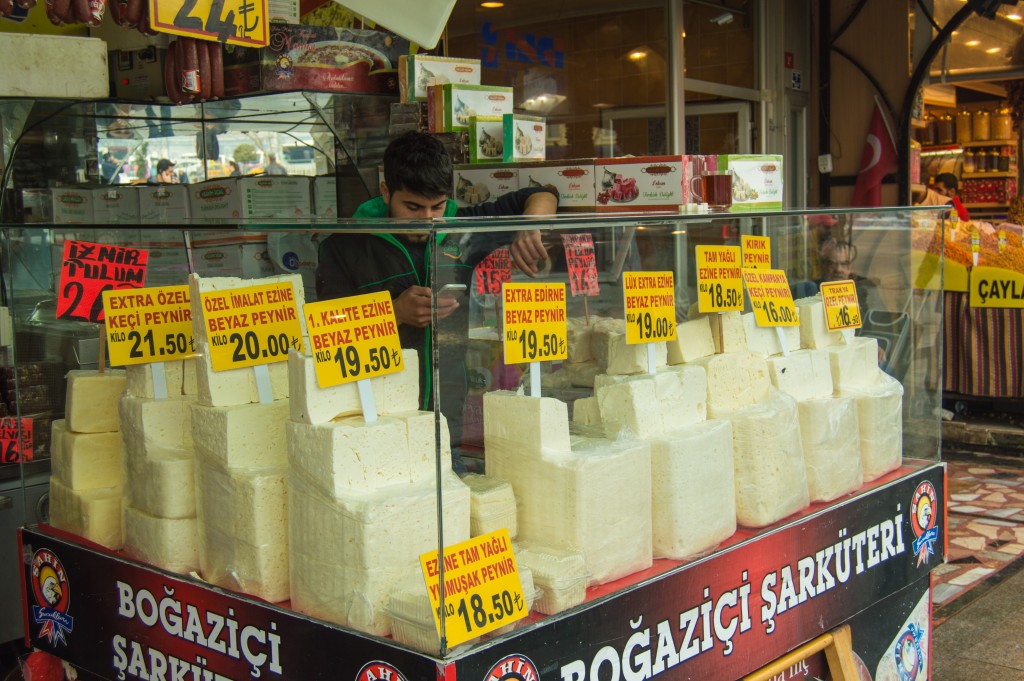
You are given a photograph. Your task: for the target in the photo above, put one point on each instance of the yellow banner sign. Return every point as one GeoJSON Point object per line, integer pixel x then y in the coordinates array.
{"type": "Point", "coordinates": [482, 590]}
{"type": "Point", "coordinates": [146, 325]}
{"type": "Point", "coordinates": [842, 309]}
{"type": "Point", "coordinates": [650, 301]}
{"type": "Point", "coordinates": [354, 338]}
{"type": "Point", "coordinates": [719, 282]}
{"type": "Point", "coordinates": [757, 252]}
{"type": "Point", "coordinates": [535, 329]}
{"type": "Point", "coordinates": [236, 22]}
{"type": "Point", "coordinates": [252, 325]}
{"type": "Point", "coordinates": [996, 287]}
{"type": "Point", "coordinates": [770, 297]}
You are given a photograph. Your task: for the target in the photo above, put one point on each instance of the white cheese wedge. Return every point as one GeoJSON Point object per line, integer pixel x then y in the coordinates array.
{"type": "Point", "coordinates": [728, 332]}
{"type": "Point", "coordinates": [90, 461]}
{"type": "Point", "coordinates": [525, 425]}
{"type": "Point", "coordinates": [764, 340]}
{"type": "Point", "coordinates": [139, 378]}
{"type": "Point", "coordinates": [492, 505]}
{"type": "Point", "coordinates": [91, 403]}
{"type": "Point", "coordinates": [168, 543]}
{"type": "Point", "coordinates": [630, 409]}
{"type": "Point", "coordinates": [242, 436]}
{"type": "Point", "coordinates": [559, 574]}
{"type": "Point", "coordinates": [160, 481]}
{"type": "Point", "coordinates": [148, 422]}
{"type": "Point", "coordinates": [693, 489]}
{"type": "Point", "coordinates": [579, 338]}
{"type": "Point", "coordinates": [736, 380]}
{"type": "Point", "coordinates": [803, 374]}
{"type": "Point", "coordinates": [94, 514]}
{"type": "Point", "coordinates": [586, 411]}
{"type": "Point", "coordinates": [250, 506]}
{"type": "Point", "coordinates": [259, 570]}
{"type": "Point", "coordinates": [831, 442]}
{"type": "Point", "coordinates": [234, 386]}
{"type": "Point", "coordinates": [693, 341]}
{"type": "Point", "coordinates": [400, 391]}
{"type": "Point", "coordinates": [854, 366]}
{"type": "Point", "coordinates": [601, 338]}
{"type": "Point", "coordinates": [814, 331]}
{"type": "Point", "coordinates": [771, 481]}
{"type": "Point", "coordinates": [582, 375]}
{"type": "Point", "coordinates": [880, 419]}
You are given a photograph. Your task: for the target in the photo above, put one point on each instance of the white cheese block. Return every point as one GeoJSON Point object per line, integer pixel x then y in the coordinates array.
{"type": "Point", "coordinates": [190, 376]}
{"type": "Point", "coordinates": [608, 341]}
{"type": "Point", "coordinates": [693, 341]}
{"type": "Point", "coordinates": [831, 441]}
{"type": "Point", "coordinates": [728, 332]}
{"type": "Point", "coordinates": [234, 386]}
{"type": "Point", "coordinates": [148, 422]}
{"type": "Point", "coordinates": [90, 461]}
{"type": "Point", "coordinates": [91, 403]}
{"type": "Point", "coordinates": [586, 411]}
{"type": "Point", "coordinates": [309, 403]}
{"type": "Point", "coordinates": [854, 366]}
{"type": "Point", "coordinates": [168, 543]}
{"type": "Point", "coordinates": [525, 426]}
{"type": "Point", "coordinates": [94, 514]}
{"type": "Point", "coordinates": [579, 337]}
{"type": "Point", "coordinates": [764, 340]}
{"type": "Point", "coordinates": [771, 481]}
{"type": "Point", "coordinates": [682, 393]}
{"type": "Point", "coordinates": [559, 574]}
{"type": "Point", "coordinates": [250, 506]}
{"type": "Point", "coordinates": [814, 331]}
{"type": "Point", "coordinates": [880, 420]}
{"type": "Point", "coordinates": [139, 378]}
{"type": "Point", "coordinates": [242, 436]}
{"type": "Point", "coordinates": [58, 428]}
{"type": "Point", "coordinates": [259, 570]}
{"type": "Point", "coordinates": [803, 374]}
{"type": "Point", "coordinates": [630, 409]}
{"type": "Point", "coordinates": [601, 338]}
{"type": "Point", "coordinates": [160, 481]}
{"type": "Point", "coordinates": [492, 505]}
{"type": "Point", "coordinates": [582, 375]}
{"type": "Point", "coordinates": [400, 391]}
{"type": "Point", "coordinates": [198, 285]}
{"type": "Point", "coordinates": [693, 489]}
{"type": "Point", "coordinates": [735, 380]}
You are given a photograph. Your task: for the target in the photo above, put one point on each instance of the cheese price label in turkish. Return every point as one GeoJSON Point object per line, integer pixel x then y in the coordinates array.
{"type": "Point", "coordinates": [148, 325]}
{"type": "Point", "coordinates": [535, 328]}
{"type": "Point", "coordinates": [88, 270]}
{"type": "Point", "coordinates": [482, 590]}
{"type": "Point", "coordinates": [650, 301]}
{"type": "Point", "coordinates": [581, 263]}
{"type": "Point", "coordinates": [493, 271]}
{"type": "Point", "coordinates": [757, 252]}
{"type": "Point", "coordinates": [236, 22]}
{"type": "Point", "coordinates": [996, 287]}
{"type": "Point", "coordinates": [770, 297]}
{"type": "Point", "coordinates": [842, 309]}
{"type": "Point", "coordinates": [719, 283]}
{"type": "Point", "coordinates": [354, 338]}
{"type": "Point", "coordinates": [251, 325]}
{"type": "Point", "coordinates": [15, 441]}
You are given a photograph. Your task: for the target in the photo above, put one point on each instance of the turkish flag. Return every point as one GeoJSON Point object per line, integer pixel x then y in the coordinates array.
{"type": "Point", "coordinates": [878, 160]}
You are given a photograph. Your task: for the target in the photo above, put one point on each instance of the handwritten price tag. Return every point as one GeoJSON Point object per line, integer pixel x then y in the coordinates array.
{"type": "Point", "coordinates": [842, 309]}
{"type": "Point", "coordinates": [354, 338]}
{"type": "Point", "coordinates": [719, 282]}
{"type": "Point", "coordinates": [251, 325]}
{"type": "Point", "coordinates": [148, 325]}
{"type": "Point", "coordinates": [482, 590]}
{"type": "Point", "coordinates": [582, 264]}
{"type": "Point", "coordinates": [15, 442]}
{"type": "Point", "coordinates": [650, 299]}
{"type": "Point", "coordinates": [770, 297]}
{"type": "Point", "coordinates": [535, 329]}
{"type": "Point", "coordinates": [90, 269]}
{"type": "Point", "coordinates": [236, 22]}
{"type": "Point", "coordinates": [757, 252]}
{"type": "Point", "coordinates": [493, 271]}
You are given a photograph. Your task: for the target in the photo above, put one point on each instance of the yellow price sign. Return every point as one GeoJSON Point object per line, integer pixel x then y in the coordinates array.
{"type": "Point", "coordinates": [146, 325]}
{"type": "Point", "coordinates": [719, 282]}
{"type": "Point", "coordinates": [996, 287]}
{"type": "Point", "coordinates": [251, 325]}
{"type": "Point", "coordinates": [770, 297]}
{"type": "Point", "coordinates": [535, 329]}
{"type": "Point", "coordinates": [482, 590]}
{"type": "Point", "coordinates": [650, 301]}
{"type": "Point", "coordinates": [354, 338]}
{"type": "Point", "coordinates": [757, 252]}
{"type": "Point", "coordinates": [842, 309]}
{"type": "Point", "coordinates": [236, 22]}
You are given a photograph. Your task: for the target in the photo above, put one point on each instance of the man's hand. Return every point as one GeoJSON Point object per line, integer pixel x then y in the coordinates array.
{"type": "Point", "coordinates": [412, 306]}
{"type": "Point", "coordinates": [527, 249]}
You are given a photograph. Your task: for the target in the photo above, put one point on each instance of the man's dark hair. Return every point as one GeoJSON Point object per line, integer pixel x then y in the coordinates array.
{"type": "Point", "coordinates": [417, 162]}
{"type": "Point", "coordinates": [949, 180]}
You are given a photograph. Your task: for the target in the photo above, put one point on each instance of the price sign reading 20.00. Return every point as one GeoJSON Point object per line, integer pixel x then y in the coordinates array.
{"type": "Point", "coordinates": [650, 301]}
{"type": "Point", "coordinates": [535, 328]}
{"type": "Point", "coordinates": [251, 325]}
{"type": "Point", "coordinates": [148, 324]}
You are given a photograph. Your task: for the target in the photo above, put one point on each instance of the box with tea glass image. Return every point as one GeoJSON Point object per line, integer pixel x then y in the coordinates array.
{"type": "Point", "coordinates": [641, 183]}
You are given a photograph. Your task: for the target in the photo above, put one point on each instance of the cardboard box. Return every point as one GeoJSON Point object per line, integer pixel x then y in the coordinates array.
{"type": "Point", "coordinates": [417, 72]}
{"type": "Point", "coordinates": [163, 203]}
{"type": "Point", "coordinates": [480, 182]}
{"type": "Point", "coordinates": [116, 205]}
{"type": "Point", "coordinates": [450, 106]}
{"type": "Point", "coordinates": [325, 196]}
{"type": "Point", "coordinates": [485, 139]}
{"type": "Point", "coordinates": [525, 138]}
{"type": "Point", "coordinates": [756, 180]}
{"type": "Point", "coordinates": [230, 254]}
{"type": "Point", "coordinates": [215, 200]}
{"type": "Point", "coordinates": [275, 197]}
{"type": "Point", "coordinates": [71, 206]}
{"type": "Point", "coordinates": [37, 205]}
{"type": "Point", "coordinates": [573, 178]}
{"type": "Point", "coordinates": [642, 183]}
{"type": "Point", "coordinates": [168, 258]}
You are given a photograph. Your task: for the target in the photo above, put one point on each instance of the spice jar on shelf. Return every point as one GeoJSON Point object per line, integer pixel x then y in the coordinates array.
{"type": "Point", "coordinates": [1004, 158]}
{"type": "Point", "coordinates": [930, 132]}
{"type": "Point", "coordinates": [969, 161]}
{"type": "Point", "coordinates": [1002, 123]}
{"type": "Point", "coordinates": [947, 129]}
{"type": "Point", "coordinates": [981, 125]}
{"type": "Point", "coordinates": [963, 126]}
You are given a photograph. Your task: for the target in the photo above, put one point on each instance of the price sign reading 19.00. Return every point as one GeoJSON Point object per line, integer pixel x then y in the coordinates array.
{"type": "Point", "coordinates": [354, 338]}
{"type": "Point", "coordinates": [719, 283]}
{"type": "Point", "coordinates": [842, 309]}
{"type": "Point", "coordinates": [770, 297]}
{"type": "Point", "coordinates": [535, 328]}
{"type": "Point", "coordinates": [148, 324]}
{"type": "Point", "coordinates": [251, 325]}
{"type": "Point", "coordinates": [482, 590]}
{"type": "Point", "coordinates": [650, 299]}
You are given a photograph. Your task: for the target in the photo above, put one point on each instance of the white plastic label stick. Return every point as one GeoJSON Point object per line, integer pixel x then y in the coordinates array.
{"type": "Point", "coordinates": [266, 393]}
{"type": "Point", "coordinates": [780, 330]}
{"type": "Point", "coordinates": [652, 363]}
{"type": "Point", "coordinates": [367, 399]}
{"type": "Point", "coordinates": [534, 379]}
{"type": "Point", "coordinates": [159, 380]}
{"type": "Point", "coordinates": [847, 336]}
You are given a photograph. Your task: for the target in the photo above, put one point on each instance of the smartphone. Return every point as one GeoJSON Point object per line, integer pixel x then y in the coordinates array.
{"type": "Point", "coordinates": [452, 289]}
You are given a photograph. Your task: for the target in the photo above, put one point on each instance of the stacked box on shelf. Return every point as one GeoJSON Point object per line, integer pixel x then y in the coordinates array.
{"type": "Point", "coordinates": [574, 180]}
{"type": "Point", "coordinates": [450, 106]}
{"type": "Point", "coordinates": [989, 190]}
{"type": "Point", "coordinates": [476, 183]}
{"type": "Point", "coordinates": [417, 72]}
{"type": "Point", "coordinates": [525, 138]}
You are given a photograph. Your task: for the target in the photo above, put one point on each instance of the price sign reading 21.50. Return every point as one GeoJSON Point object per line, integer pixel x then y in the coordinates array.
{"type": "Point", "coordinates": [251, 325]}
{"type": "Point", "coordinates": [354, 338]}
{"type": "Point", "coordinates": [148, 325]}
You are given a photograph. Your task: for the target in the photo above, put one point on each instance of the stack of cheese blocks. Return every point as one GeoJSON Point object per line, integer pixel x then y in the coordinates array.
{"type": "Point", "coordinates": [590, 494]}
{"type": "Point", "coordinates": [88, 460]}
{"type": "Point", "coordinates": [160, 501]}
{"type": "Point", "coordinates": [492, 505]}
{"type": "Point", "coordinates": [241, 464]}
{"type": "Point", "coordinates": [600, 347]}
{"type": "Point", "coordinates": [362, 499]}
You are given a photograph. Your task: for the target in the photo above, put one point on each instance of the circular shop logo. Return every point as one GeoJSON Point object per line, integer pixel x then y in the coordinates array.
{"type": "Point", "coordinates": [513, 667]}
{"type": "Point", "coordinates": [924, 508]}
{"type": "Point", "coordinates": [49, 581]}
{"type": "Point", "coordinates": [378, 671]}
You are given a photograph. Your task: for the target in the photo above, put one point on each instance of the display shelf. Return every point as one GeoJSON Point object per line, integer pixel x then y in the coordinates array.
{"type": "Point", "coordinates": [974, 206]}
{"type": "Point", "coordinates": [989, 143]}
{"type": "Point", "coordinates": [986, 176]}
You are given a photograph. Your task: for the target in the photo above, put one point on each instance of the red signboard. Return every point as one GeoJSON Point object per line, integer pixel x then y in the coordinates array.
{"type": "Point", "coordinates": [582, 264]}
{"type": "Point", "coordinates": [493, 271]}
{"type": "Point", "coordinates": [90, 269]}
{"type": "Point", "coordinates": [15, 440]}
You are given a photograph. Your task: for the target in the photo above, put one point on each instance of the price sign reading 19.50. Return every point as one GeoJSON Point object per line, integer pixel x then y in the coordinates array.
{"type": "Point", "coordinates": [650, 300]}
{"type": "Point", "coordinates": [719, 283]}
{"type": "Point", "coordinates": [535, 329]}
{"type": "Point", "coordinates": [251, 325]}
{"type": "Point", "coordinates": [842, 309]}
{"type": "Point", "coordinates": [770, 297]}
{"type": "Point", "coordinates": [354, 338]}
{"type": "Point", "coordinates": [148, 325]}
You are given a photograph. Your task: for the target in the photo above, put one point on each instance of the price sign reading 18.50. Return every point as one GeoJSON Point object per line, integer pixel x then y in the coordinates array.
{"type": "Point", "coordinates": [535, 329]}
{"type": "Point", "coordinates": [354, 338]}
{"type": "Point", "coordinates": [148, 324]}
{"type": "Point", "coordinates": [251, 325]}
{"type": "Point", "coordinates": [770, 297]}
{"type": "Point", "coordinates": [719, 283]}
{"type": "Point", "coordinates": [650, 300]}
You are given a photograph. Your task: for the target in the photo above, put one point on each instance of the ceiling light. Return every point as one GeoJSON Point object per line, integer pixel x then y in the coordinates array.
{"type": "Point", "coordinates": [723, 19]}
{"type": "Point", "coordinates": [637, 55]}
{"type": "Point", "coordinates": [492, 5]}
{"type": "Point", "coordinates": [972, 43]}
{"type": "Point", "coordinates": [992, 50]}
{"type": "Point", "coordinates": [1013, 17]}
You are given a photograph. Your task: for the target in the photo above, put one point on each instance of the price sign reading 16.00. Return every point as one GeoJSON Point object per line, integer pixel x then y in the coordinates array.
{"type": "Point", "coordinates": [770, 297]}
